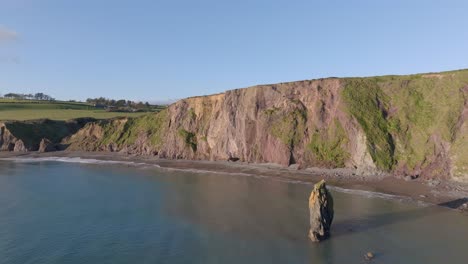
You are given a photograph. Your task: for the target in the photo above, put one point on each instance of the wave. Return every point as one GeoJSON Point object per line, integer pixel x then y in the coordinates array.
{"type": "Point", "coordinates": [77, 160]}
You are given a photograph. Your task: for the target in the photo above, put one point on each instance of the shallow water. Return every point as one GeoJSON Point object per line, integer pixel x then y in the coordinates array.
{"type": "Point", "coordinates": [55, 212]}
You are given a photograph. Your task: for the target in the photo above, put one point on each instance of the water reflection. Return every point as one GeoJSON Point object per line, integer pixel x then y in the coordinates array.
{"type": "Point", "coordinates": [239, 206]}
{"type": "Point", "coordinates": [68, 213]}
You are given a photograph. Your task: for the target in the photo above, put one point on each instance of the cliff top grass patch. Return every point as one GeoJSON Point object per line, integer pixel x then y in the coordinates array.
{"type": "Point", "coordinates": [29, 110]}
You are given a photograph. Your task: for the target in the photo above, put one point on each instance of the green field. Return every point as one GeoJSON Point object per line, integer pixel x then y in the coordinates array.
{"type": "Point", "coordinates": [58, 110]}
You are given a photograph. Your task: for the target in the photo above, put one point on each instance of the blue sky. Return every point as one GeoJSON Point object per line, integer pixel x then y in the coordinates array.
{"type": "Point", "coordinates": [160, 50]}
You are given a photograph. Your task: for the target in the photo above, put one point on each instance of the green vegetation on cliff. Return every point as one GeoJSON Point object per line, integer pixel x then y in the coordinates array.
{"type": "Point", "coordinates": [328, 145]}
{"type": "Point", "coordinates": [189, 138]}
{"type": "Point", "coordinates": [406, 124]}
{"type": "Point", "coordinates": [149, 126]}
{"type": "Point", "coordinates": [288, 127]}
{"type": "Point", "coordinates": [367, 103]}
{"type": "Point", "coordinates": [407, 119]}
{"type": "Point", "coordinates": [32, 132]}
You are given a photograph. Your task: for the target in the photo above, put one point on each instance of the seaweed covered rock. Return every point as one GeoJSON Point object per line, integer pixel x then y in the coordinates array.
{"type": "Point", "coordinates": [321, 212]}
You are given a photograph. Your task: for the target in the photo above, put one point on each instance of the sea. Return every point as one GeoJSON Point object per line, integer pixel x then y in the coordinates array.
{"type": "Point", "coordinates": [72, 210]}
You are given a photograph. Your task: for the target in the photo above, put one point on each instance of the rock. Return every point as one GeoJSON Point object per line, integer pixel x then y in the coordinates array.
{"type": "Point", "coordinates": [19, 146]}
{"type": "Point", "coordinates": [410, 177]}
{"type": "Point", "coordinates": [464, 207]}
{"type": "Point", "coordinates": [46, 146]}
{"type": "Point", "coordinates": [369, 256]}
{"type": "Point", "coordinates": [294, 166]}
{"type": "Point", "coordinates": [321, 212]}
{"type": "Point", "coordinates": [433, 183]}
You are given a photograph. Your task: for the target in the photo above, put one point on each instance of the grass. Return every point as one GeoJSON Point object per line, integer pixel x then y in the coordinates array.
{"type": "Point", "coordinates": [426, 107]}
{"type": "Point", "coordinates": [288, 126]}
{"type": "Point", "coordinates": [406, 117]}
{"type": "Point", "coordinates": [328, 145]}
{"type": "Point", "coordinates": [29, 110]}
{"type": "Point", "coordinates": [367, 103]}
{"type": "Point", "coordinates": [125, 132]}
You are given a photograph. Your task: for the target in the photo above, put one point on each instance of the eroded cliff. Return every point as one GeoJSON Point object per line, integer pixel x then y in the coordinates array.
{"type": "Point", "coordinates": [412, 125]}
{"type": "Point", "coordinates": [22, 136]}
{"type": "Point", "coordinates": [409, 125]}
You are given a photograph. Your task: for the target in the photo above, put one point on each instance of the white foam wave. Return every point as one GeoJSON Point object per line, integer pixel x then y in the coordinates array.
{"type": "Point", "coordinates": [77, 160]}
{"type": "Point", "coordinates": [367, 194]}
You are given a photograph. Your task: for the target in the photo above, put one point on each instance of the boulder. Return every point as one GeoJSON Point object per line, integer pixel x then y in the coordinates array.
{"type": "Point", "coordinates": [19, 146]}
{"type": "Point", "coordinates": [369, 256]}
{"type": "Point", "coordinates": [46, 146]}
{"type": "Point", "coordinates": [321, 212]}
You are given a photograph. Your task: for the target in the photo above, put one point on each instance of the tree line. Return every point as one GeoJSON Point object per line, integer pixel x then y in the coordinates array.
{"type": "Point", "coordinates": [36, 96]}
{"type": "Point", "coordinates": [118, 104]}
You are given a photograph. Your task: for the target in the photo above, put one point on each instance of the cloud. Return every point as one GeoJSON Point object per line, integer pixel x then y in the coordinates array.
{"type": "Point", "coordinates": [7, 35]}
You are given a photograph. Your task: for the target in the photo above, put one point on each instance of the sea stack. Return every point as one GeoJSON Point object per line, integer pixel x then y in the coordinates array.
{"type": "Point", "coordinates": [321, 212]}
{"type": "Point", "coordinates": [46, 146]}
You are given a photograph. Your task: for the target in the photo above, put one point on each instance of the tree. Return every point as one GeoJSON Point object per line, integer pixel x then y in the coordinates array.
{"type": "Point", "coordinates": [120, 103]}
{"type": "Point", "coordinates": [39, 96]}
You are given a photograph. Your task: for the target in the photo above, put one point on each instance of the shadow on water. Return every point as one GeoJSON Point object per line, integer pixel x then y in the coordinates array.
{"type": "Point", "coordinates": [454, 204]}
{"type": "Point", "coordinates": [366, 223]}
{"type": "Point", "coordinates": [242, 206]}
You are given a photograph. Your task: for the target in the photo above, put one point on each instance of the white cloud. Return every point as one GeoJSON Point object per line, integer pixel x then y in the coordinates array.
{"type": "Point", "coordinates": [7, 34]}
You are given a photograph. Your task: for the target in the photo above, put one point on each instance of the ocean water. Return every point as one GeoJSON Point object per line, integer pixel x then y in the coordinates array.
{"type": "Point", "coordinates": [91, 212]}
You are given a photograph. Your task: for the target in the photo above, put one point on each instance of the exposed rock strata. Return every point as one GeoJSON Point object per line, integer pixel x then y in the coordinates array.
{"type": "Point", "coordinates": [19, 146]}
{"type": "Point", "coordinates": [321, 212]}
{"type": "Point", "coordinates": [29, 135]}
{"type": "Point", "coordinates": [413, 126]}
{"type": "Point", "coordinates": [46, 146]}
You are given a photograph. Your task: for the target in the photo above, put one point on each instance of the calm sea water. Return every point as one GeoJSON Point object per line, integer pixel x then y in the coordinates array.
{"type": "Point", "coordinates": [53, 212]}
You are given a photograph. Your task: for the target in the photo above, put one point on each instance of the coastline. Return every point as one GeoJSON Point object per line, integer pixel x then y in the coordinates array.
{"type": "Point", "coordinates": [442, 193]}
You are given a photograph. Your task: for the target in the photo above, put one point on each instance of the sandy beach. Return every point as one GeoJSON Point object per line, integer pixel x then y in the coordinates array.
{"type": "Point", "coordinates": [433, 192]}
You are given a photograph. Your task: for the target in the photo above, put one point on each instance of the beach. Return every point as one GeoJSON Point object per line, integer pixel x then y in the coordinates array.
{"type": "Point", "coordinates": [430, 192]}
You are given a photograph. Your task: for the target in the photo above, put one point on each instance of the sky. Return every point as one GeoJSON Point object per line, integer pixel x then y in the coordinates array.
{"type": "Point", "coordinates": [164, 50]}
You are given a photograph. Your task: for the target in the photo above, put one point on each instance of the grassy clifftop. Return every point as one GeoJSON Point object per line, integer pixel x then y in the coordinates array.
{"type": "Point", "coordinates": [55, 110]}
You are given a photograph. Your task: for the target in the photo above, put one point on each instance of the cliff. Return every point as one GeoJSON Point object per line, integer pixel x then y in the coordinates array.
{"type": "Point", "coordinates": [408, 125]}
{"type": "Point", "coordinates": [413, 125]}
{"type": "Point", "coordinates": [22, 136]}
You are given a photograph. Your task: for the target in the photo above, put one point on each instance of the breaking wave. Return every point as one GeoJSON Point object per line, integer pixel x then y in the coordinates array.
{"type": "Point", "coordinates": [77, 160]}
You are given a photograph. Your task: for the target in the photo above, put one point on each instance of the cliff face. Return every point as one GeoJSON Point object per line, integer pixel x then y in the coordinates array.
{"type": "Point", "coordinates": [414, 125]}
{"type": "Point", "coordinates": [22, 136]}
{"type": "Point", "coordinates": [301, 123]}
{"type": "Point", "coordinates": [409, 125]}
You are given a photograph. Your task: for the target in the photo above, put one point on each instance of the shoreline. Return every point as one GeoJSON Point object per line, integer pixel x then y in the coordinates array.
{"type": "Point", "coordinates": [447, 194]}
